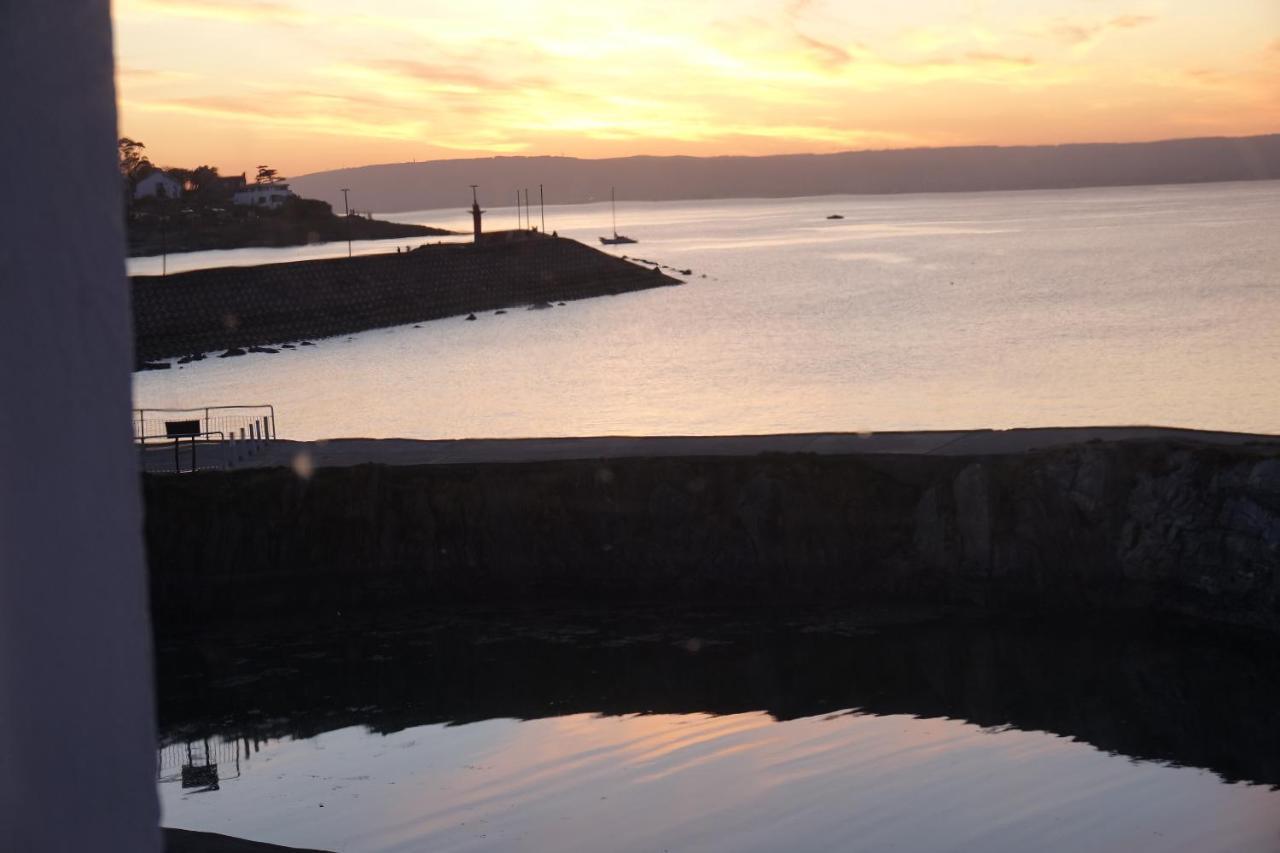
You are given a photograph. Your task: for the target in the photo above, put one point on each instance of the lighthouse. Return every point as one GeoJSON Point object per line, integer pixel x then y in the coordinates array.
{"type": "Point", "coordinates": [475, 213]}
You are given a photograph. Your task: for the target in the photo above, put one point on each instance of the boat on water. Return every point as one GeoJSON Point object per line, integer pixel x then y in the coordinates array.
{"type": "Point", "coordinates": [616, 239]}
{"type": "Point", "coordinates": [835, 216]}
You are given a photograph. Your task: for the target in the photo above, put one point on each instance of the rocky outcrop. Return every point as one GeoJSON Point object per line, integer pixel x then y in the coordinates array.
{"type": "Point", "coordinates": [1157, 525]}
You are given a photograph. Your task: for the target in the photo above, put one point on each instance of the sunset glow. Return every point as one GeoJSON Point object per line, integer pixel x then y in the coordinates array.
{"type": "Point", "coordinates": [324, 84]}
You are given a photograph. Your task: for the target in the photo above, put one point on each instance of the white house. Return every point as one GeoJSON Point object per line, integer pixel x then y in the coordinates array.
{"type": "Point", "coordinates": [263, 195]}
{"type": "Point", "coordinates": [158, 185]}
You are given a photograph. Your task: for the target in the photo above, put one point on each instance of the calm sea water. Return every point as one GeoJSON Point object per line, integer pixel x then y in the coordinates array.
{"type": "Point", "coordinates": [1153, 305]}
{"type": "Point", "coordinates": [596, 734]}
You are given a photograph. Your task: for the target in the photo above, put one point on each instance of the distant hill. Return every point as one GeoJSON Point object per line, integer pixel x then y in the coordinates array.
{"type": "Point", "coordinates": [568, 180]}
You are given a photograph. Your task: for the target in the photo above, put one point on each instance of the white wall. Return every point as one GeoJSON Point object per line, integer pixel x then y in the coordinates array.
{"type": "Point", "coordinates": [76, 717]}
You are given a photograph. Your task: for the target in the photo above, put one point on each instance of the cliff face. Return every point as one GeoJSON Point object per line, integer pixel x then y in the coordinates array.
{"type": "Point", "coordinates": [205, 310]}
{"type": "Point", "coordinates": [1155, 525]}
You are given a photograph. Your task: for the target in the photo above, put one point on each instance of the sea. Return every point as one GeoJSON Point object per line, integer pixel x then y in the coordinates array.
{"type": "Point", "coordinates": [1120, 306]}
{"type": "Point", "coordinates": [517, 729]}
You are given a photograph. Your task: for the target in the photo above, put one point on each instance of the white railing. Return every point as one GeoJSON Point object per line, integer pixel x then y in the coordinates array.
{"type": "Point", "coordinates": [223, 435]}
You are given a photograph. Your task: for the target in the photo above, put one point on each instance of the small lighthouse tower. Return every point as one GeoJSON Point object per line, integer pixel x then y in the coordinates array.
{"type": "Point", "coordinates": [475, 213]}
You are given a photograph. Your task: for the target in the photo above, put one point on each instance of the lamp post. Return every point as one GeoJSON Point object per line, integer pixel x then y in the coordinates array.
{"type": "Point", "coordinates": [346, 212]}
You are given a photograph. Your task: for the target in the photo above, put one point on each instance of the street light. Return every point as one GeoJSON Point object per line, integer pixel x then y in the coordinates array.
{"type": "Point", "coordinates": [346, 212]}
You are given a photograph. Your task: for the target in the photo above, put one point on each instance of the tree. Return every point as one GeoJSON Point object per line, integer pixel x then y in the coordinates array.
{"type": "Point", "coordinates": [206, 183]}
{"type": "Point", "coordinates": [133, 162]}
{"type": "Point", "coordinates": [268, 175]}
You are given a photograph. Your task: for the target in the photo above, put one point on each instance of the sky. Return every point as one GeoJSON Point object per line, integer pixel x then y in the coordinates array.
{"type": "Point", "coordinates": [309, 85]}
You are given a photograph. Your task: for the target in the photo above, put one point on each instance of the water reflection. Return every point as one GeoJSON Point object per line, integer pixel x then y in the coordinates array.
{"type": "Point", "coordinates": [1150, 692]}
{"type": "Point", "coordinates": [201, 764]}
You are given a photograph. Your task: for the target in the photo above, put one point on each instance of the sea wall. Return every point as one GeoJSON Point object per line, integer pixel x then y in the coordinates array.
{"type": "Point", "coordinates": [1157, 525]}
{"type": "Point", "coordinates": [217, 309]}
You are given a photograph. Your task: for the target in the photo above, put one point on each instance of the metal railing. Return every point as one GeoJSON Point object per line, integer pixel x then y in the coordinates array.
{"type": "Point", "coordinates": [232, 433]}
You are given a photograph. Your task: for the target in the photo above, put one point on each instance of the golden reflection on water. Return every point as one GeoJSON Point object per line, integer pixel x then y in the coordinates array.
{"type": "Point", "coordinates": [722, 783]}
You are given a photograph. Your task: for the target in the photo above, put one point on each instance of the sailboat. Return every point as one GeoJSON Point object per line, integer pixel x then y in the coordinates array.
{"type": "Point", "coordinates": [617, 238]}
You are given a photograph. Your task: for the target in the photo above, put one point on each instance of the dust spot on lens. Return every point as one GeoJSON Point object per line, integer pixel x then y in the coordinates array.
{"type": "Point", "coordinates": [303, 465]}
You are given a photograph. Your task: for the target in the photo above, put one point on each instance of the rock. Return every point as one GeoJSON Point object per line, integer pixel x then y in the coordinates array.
{"type": "Point", "coordinates": [500, 311]}
{"type": "Point", "coordinates": [195, 356]}
{"type": "Point", "coordinates": [306, 344]}
{"type": "Point", "coordinates": [560, 303]}
{"type": "Point", "coordinates": [685, 272]}
{"type": "Point", "coordinates": [153, 365]}
{"type": "Point", "coordinates": [267, 350]}
{"type": "Point", "coordinates": [287, 346]}
{"type": "Point", "coordinates": [471, 316]}
{"type": "Point", "coordinates": [234, 351]}
{"type": "Point", "coordinates": [539, 306]}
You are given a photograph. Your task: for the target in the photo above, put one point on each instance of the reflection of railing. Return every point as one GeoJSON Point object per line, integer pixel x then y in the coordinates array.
{"type": "Point", "coordinates": [225, 435]}
{"type": "Point", "coordinates": [201, 764]}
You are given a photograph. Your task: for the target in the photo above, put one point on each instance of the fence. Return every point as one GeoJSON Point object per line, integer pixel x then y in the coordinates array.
{"type": "Point", "coordinates": [217, 437]}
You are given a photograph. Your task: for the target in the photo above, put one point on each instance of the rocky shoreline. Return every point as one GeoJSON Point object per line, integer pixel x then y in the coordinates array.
{"type": "Point", "coordinates": [149, 237]}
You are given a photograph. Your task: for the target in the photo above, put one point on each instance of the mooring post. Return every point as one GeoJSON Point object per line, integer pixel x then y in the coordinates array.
{"type": "Point", "coordinates": [242, 444]}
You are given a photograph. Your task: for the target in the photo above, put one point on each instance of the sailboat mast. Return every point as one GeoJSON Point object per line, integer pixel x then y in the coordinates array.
{"type": "Point", "coordinates": [613, 205]}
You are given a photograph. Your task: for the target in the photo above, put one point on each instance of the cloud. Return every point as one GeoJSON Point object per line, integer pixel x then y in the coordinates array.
{"type": "Point", "coordinates": [131, 74]}
{"type": "Point", "coordinates": [294, 110]}
{"type": "Point", "coordinates": [1077, 34]}
{"type": "Point", "coordinates": [825, 54]}
{"type": "Point", "coordinates": [1003, 60]}
{"type": "Point", "coordinates": [453, 75]}
{"type": "Point", "coordinates": [236, 11]}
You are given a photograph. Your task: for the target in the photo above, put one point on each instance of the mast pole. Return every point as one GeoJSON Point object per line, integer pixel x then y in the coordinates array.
{"type": "Point", "coordinates": [613, 205]}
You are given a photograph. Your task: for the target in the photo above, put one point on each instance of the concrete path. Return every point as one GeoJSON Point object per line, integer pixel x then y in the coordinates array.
{"type": "Point", "coordinates": [396, 451]}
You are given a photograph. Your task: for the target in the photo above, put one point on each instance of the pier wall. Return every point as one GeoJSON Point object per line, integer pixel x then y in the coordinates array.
{"type": "Point", "coordinates": [206, 310]}
{"type": "Point", "coordinates": [1156, 525]}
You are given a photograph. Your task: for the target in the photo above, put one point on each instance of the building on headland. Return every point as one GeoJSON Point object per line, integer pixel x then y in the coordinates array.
{"type": "Point", "coordinates": [158, 185]}
{"type": "Point", "coordinates": [232, 184]}
{"type": "Point", "coordinates": [269, 195]}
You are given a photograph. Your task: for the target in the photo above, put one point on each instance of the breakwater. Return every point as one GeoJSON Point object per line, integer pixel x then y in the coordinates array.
{"type": "Point", "coordinates": [1159, 525]}
{"type": "Point", "coordinates": [238, 307]}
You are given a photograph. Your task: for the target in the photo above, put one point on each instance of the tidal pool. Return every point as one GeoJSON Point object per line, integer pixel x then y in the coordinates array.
{"type": "Point", "coordinates": [647, 732]}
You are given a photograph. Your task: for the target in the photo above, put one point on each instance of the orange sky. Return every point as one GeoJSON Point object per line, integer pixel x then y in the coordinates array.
{"type": "Point", "coordinates": [320, 84]}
